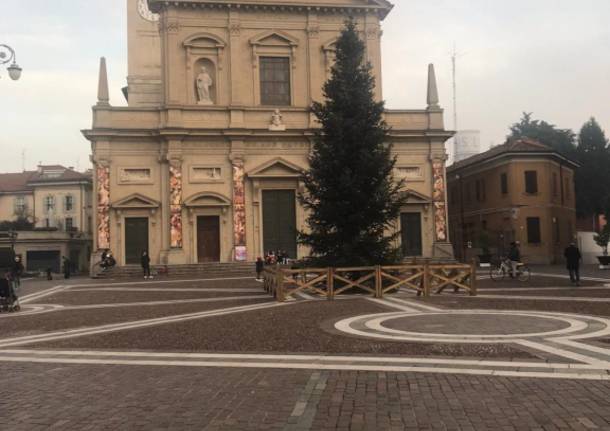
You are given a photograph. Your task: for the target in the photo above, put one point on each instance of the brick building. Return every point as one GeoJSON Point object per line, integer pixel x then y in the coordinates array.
{"type": "Point", "coordinates": [520, 191]}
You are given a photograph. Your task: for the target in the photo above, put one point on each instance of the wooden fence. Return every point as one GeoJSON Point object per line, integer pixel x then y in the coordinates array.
{"type": "Point", "coordinates": [421, 278]}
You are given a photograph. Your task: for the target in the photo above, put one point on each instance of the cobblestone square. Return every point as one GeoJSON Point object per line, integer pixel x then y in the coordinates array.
{"type": "Point", "coordinates": [222, 355]}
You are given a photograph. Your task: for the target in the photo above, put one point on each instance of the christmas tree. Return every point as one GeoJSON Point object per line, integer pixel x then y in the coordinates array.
{"type": "Point", "coordinates": [351, 196]}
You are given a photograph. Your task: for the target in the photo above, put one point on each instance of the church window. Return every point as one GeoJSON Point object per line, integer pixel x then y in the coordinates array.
{"type": "Point", "coordinates": [275, 81]}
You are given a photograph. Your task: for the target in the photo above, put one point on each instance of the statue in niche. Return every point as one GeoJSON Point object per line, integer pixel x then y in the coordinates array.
{"type": "Point", "coordinates": [277, 125]}
{"type": "Point", "coordinates": [204, 82]}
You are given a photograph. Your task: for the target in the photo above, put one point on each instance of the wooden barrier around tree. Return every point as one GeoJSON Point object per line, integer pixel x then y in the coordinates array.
{"type": "Point", "coordinates": [422, 278]}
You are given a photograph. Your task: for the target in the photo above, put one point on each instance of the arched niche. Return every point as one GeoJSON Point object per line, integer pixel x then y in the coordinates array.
{"type": "Point", "coordinates": [205, 49]}
{"type": "Point", "coordinates": [210, 68]}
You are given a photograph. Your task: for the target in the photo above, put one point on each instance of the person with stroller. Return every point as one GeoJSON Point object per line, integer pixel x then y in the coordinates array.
{"type": "Point", "coordinates": [145, 261]}
{"type": "Point", "coordinates": [8, 298]}
{"type": "Point", "coordinates": [107, 260]}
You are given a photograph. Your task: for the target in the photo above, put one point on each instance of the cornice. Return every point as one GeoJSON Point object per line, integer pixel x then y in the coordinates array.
{"type": "Point", "coordinates": [381, 7]}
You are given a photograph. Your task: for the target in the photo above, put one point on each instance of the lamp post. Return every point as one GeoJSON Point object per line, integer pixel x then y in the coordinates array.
{"type": "Point", "coordinates": [7, 55]}
{"type": "Point", "coordinates": [12, 235]}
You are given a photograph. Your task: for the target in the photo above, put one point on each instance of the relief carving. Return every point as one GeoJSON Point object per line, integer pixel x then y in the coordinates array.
{"type": "Point", "coordinates": [103, 207]}
{"type": "Point", "coordinates": [175, 190]}
{"type": "Point", "coordinates": [438, 198]}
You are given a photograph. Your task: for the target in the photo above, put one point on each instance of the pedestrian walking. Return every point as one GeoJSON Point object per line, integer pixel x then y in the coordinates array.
{"type": "Point", "coordinates": [67, 264]}
{"type": "Point", "coordinates": [573, 258]}
{"type": "Point", "coordinates": [145, 261]}
{"type": "Point", "coordinates": [260, 264]}
{"type": "Point", "coordinates": [49, 274]}
{"type": "Point", "coordinates": [16, 273]}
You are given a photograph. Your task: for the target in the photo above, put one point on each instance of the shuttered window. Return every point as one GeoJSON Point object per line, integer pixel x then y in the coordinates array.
{"type": "Point", "coordinates": [531, 182]}
{"type": "Point", "coordinates": [504, 183]}
{"type": "Point", "coordinates": [275, 81]}
{"type": "Point", "coordinates": [533, 230]}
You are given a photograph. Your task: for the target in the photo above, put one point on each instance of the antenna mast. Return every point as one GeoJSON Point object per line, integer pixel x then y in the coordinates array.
{"type": "Point", "coordinates": [453, 68]}
{"type": "Point", "coordinates": [23, 160]}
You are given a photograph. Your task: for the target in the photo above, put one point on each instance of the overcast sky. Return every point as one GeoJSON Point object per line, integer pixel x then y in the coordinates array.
{"type": "Point", "coordinates": [549, 57]}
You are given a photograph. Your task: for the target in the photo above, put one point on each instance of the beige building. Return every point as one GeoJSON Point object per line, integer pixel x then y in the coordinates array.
{"type": "Point", "coordinates": [520, 191]}
{"type": "Point", "coordinates": [205, 162]}
{"type": "Point", "coordinates": [57, 202]}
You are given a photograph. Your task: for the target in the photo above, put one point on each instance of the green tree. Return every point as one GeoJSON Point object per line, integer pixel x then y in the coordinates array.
{"type": "Point", "coordinates": [351, 195]}
{"type": "Point", "coordinates": [561, 140]}
{"type": "Point", "coordinates": [593, 178]}
{"type": "Point", "coordinates": [603, 239]}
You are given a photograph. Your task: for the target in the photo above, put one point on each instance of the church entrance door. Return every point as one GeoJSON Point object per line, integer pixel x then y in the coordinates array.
{"type": "Point", "coordinates": [410, 225]}
{"type": "Point", "coordinates": [136, 239]}
{"type": "Point", "coordinates": [279, 222]}
{"type": "Point", "coordinates": [208, 239]}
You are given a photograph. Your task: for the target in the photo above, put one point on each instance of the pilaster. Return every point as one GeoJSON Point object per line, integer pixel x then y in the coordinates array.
{"type": "Point", "coordinates": [239, 201]}
{"type": "Point", "coordinates": [235, 57]}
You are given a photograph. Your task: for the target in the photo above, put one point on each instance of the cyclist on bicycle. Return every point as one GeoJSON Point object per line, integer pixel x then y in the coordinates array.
{"type": "Point", "coordinates": [514, 256]}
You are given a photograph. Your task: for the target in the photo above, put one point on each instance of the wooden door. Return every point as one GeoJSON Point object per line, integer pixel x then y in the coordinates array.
{"type": "Point", "coordinates": [136, 239]}
{"type": "Point", "coordinates": [410, 224]}
{"type": "Point", "coordinates": [208, 239]}
{"type": "Point", "coordinates": [279, 222]}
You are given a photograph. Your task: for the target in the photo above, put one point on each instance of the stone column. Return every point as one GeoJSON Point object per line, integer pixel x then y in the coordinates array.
{"type": "Point", "coordinates": [239, 208]}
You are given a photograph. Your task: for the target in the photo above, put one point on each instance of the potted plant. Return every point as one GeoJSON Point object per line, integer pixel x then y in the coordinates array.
{"type": "Point", "coordinates": [485, 256]}
{"type": "Point", "coordinates": [602, 240]}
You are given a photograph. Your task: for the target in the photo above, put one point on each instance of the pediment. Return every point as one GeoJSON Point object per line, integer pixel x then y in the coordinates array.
{"type": "Point", "coordinates": [414, 197]}
{"type": "Point", "coordinates": [277, 168]}
{"type": "Point", "coordinates": [274, 38]}
{"type": "Point", "coordinates": [331, 45]}
{"type": "Point", "coordinates": [207, 199]}
{"type": "Point", "coordinates": [204, 40]}
{"type": "Point", "coordinates": [135, 200]}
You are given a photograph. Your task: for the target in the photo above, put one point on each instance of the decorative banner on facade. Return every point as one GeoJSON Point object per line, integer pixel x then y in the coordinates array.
{"type": "Point", "coordinates": [239, 211]}
{"type": "Point", "coordinates": [103, 207]}
{"type": "Point", "coordinates": [175, 205]}
{"type": "Point", "coordinates": [438, 197]}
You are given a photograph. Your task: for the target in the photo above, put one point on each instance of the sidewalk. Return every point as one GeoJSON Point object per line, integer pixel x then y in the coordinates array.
{"type": "Point", "coordinates": [585, 270]}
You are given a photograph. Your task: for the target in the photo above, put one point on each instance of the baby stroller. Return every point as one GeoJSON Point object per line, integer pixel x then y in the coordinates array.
{"type": "Point", "coordinates": [8, 300]}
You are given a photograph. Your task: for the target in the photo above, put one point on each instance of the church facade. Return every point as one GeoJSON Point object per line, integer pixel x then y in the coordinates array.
{"type": "Point", "coordinates": [205, 162]}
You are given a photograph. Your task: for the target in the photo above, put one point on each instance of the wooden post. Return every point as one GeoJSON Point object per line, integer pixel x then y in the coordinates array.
{"type": "Point", "coordinates": [473, 278]}
{"type": "Point", "coordinates": [279, 284]}
{"type": "Point", "coordinates": [426, 278]}
{"type": "Point", "coordinates": [378, 282]}
{"type": "Point", "coordinates": [330, 283]}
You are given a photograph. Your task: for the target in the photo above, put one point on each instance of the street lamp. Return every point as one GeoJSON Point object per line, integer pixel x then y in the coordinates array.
{"type": "Point", "coordinates": [7, 55]}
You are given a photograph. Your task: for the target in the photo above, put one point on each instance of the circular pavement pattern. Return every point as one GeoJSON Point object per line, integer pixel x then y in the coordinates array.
{"type": "Point", "coordinates": [473, 326]}
{"type": "Point", "coordinates": [476, 324]}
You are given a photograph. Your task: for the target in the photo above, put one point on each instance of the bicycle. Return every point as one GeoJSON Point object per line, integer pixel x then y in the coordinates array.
{"type": "Point", "coordinates": [499, 271]}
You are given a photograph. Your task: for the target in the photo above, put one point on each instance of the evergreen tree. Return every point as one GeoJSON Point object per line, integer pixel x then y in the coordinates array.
{"type": "Point", "coordinates": [561, 140]}
{"type": "Point", "coordinates": [592, 180]}
{"type": "Point", "coordinates": [351, 196]}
